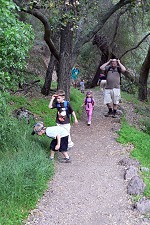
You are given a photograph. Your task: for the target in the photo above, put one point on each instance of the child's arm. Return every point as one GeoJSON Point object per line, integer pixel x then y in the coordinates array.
{"type": "Point", "coordinates": [75, 118]}
{"type": "Point", "coordinates": [51, 101]}
{"type": "Point", "coordinates": [57, 147]}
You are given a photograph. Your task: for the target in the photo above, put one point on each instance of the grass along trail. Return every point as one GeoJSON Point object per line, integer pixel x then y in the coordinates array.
{"type": "Point", "coordinates": [90, 190]}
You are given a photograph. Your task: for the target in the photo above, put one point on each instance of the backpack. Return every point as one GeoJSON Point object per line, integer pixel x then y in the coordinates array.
{"type": "Point", "coordinates": [65, 105]}
{"type": "Point", "coordinates": [63, 113]}
{"type": "Point", "coordinates": [118, 70]}
{"type": "Point", "coordinates": [89, 102]}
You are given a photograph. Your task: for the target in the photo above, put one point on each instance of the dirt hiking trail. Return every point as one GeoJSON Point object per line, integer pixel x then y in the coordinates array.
{"type": "Point", "coordinates": [90, 190]}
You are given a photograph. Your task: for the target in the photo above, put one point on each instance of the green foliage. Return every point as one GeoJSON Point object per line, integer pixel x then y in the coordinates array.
{"type": "Point", "coordinates": [141, 142]}
{"type": "Point", "coordinates": [15, 42]}
{"type": "Point", "coordinates": [89, 56]}
{"type": "Point", "coordinates": [76, 100]}
{"type": "Point", "coordinates": [24, 166]}
{"type": "Point", "coordinates": [145, 125]}
{"type": "Point", "coordinates": [130, 97]}
{"type": "Point", "coordinates": [24, 169]}
{"type": "Point", "coordinates": [39, 107]}
{"type": "Point", "coordinates": [142, 108]}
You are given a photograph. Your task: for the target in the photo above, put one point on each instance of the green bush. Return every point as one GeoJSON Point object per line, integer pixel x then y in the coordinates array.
{"type": "Point", "coordinates": [15, 42]}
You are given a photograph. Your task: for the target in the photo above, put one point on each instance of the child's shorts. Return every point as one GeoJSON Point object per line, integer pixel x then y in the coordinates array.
{"type": "Point", "coordinates": [63, 144]}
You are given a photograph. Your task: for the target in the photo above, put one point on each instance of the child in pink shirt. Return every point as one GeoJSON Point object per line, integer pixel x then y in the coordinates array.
{"type": "Point", "coordinates": [89, 106]}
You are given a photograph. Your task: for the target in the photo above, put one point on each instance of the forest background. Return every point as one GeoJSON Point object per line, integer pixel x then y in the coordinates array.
{"type": "Point", "coordinates": [42, 38]}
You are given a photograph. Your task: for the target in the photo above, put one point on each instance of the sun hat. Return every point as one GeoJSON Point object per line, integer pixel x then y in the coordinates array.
{"type": "Point", "coordinates": [37, 127]}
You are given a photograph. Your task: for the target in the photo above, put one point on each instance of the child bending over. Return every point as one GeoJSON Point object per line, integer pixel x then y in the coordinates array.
{"type": "Point", "coordinates": [59, 136]}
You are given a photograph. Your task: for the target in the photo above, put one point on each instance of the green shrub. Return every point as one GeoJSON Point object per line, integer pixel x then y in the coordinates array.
{"type": "Point", "coordinates": [16, 40]}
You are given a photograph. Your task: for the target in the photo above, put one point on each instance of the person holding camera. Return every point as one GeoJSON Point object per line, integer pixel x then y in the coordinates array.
{"type": "Point", "coordinates": [113, 69]}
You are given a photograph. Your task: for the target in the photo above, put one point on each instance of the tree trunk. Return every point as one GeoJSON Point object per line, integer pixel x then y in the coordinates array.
{"type": "Point", "coordinates": [102, 44]}
{"type": "Point", "coordinates": [64, 71]}
{"type": "Point", "coordinates": [144, 73]}
{"type": "Point", "coordinates": [48, 79]}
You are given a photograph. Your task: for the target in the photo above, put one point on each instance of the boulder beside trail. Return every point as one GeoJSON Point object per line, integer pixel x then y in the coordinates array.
{"type": "Point", "coordinates": [23, 113]}
{"type": "Point", "coordinates": [130, 172]}
{"type": "Point", "coordinates": [143, 206]}
{"type": "Point", "coordinates": [135, 186]}
{"type": "Point", "coordinates": [129, 162]}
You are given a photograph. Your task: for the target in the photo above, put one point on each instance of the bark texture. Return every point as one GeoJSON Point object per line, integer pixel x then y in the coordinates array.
{"type": "Point", "coordinates": [144, 73]}
{"type": "Point", "coordinates": [48, 79]}
{"type": "Point", "coordinates": [102, 44]}
{"type": "Point", "coordinates": [65, 56]}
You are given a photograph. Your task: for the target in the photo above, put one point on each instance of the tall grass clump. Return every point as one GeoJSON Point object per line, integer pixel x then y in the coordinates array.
{"type": "Point", "coordinates": [24, 170]}
{"type": "Point", "coordinates": [141, 151]}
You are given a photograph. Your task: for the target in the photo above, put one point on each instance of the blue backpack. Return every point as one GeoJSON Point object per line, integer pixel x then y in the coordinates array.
{"type": "Point", "coordinates": [65, 105]}
{"type": "Point", "coordinates": [63, 113]}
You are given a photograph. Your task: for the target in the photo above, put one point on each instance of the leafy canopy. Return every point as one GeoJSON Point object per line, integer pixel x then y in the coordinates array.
{"type": "Point", "coordinates": [15, 41]}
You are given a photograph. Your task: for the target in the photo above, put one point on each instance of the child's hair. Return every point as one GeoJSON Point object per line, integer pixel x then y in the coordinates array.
{"type": "Point", "coordinates": [60, 92]}
{"type": "Point", "coordinates": [38, 127]}
{"type": "Point", "coordinates": [89, 93]}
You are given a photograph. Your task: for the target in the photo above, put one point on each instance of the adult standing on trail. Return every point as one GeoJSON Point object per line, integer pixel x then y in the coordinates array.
{"type": "Point", "coordinates": [74, 75]}
{"type": "Point", "coordinates": [113, 69]}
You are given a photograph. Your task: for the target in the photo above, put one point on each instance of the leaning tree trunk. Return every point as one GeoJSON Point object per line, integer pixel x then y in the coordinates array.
{"type": "Point", "coordinates": [102, 44]}
{"type": "Point", "coordinates": [48, 79]}
{"type": "Point", "coordinates": [142, 95]}
{"type": "Point", "coordinates": [64, 71]}
{"type": "Point", "coordinates": [104, 59]}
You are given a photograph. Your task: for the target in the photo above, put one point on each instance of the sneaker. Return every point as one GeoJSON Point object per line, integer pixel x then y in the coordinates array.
{"type": "Point", "coordinates": [67, 160]}
{"type": "Point", "coordinates": [51, 159]}
{"type": "Point", "coordinates": [109, 114]}
{"type": "Point", "coordinates": [89, 123]}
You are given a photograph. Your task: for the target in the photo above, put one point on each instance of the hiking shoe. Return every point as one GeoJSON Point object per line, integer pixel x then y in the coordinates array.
{"type": "Point", "coordinates": [109, 114]}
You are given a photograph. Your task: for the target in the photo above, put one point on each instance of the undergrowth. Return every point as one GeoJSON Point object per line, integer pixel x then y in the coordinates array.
{"type": "Point", "coordinates": [139, 138]}
{"type": "Point", "coordinates": [141, 142]}
{"type": "Point", "coordinates": [142, 108]}
{"type": "Point", "coordinates": [25, 168]}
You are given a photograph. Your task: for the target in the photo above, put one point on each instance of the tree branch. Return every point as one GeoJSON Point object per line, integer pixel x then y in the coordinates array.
{"type": "Point", "coordinates": [82, 40]}
{"type": "Point", "coordinates": [117, 25]}
{"type": "Point", "coordinates": [47, 30]}
{"type": "Point", "coordinates": [134, 46]}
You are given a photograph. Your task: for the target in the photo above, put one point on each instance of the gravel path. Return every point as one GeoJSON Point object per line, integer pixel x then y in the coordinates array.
{"type": "Point", "coordinates": [90, 190]}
